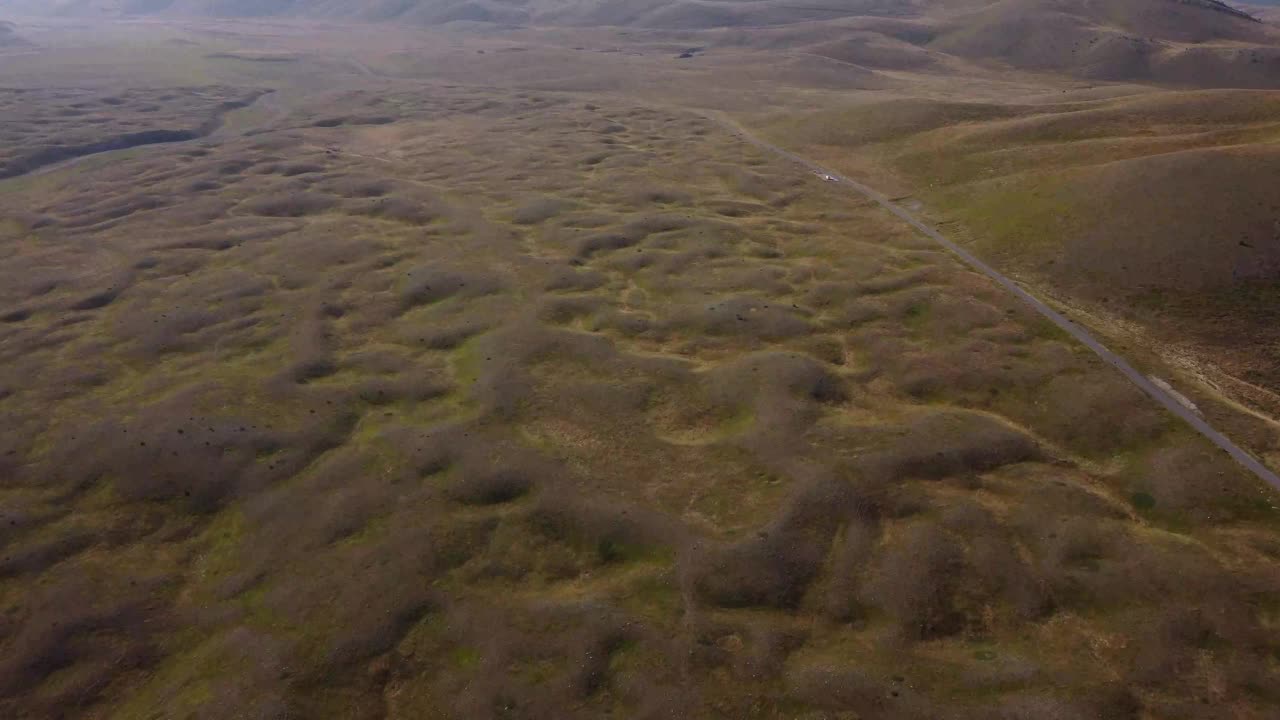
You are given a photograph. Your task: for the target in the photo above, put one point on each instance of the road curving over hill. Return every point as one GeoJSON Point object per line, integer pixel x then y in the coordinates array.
{"type": "Point", "coordinates": [1165, 397]}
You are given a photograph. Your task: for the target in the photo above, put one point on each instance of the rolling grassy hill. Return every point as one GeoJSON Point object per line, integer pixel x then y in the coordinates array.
{"type": "Point", "coordinates": [1155, 207]}
{"type": "Point", "coordinates": [1193, 42]}
{"type": "Point", "coordinates": [423, 400]}
{"type": "Point", "coordinates": [483, 375]}
{"type": "Point", "coordinates": [1200, 44]}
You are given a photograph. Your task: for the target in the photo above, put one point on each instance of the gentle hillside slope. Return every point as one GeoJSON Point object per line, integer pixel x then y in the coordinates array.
{"type": "Point", "coordinates": [1158, 207]}
{"type": "Point", "coordinates": [419, 400]}
{"type": "Point", "coordinates": [1201, 43]}
{"type": "Point", "coordinates": [484, 375]}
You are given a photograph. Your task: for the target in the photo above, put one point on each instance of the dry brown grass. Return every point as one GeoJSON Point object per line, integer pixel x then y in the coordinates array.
{"type": "Point", "coordinates": [47, 126]}
{"type": "Point", "coordinates": [448, 400]}
{"type": "Point", "coordinates": [1131, 208]}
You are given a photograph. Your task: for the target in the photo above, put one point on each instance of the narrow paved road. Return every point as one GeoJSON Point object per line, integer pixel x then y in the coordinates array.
{"type": "Point", "coordinates": [1079, 333]}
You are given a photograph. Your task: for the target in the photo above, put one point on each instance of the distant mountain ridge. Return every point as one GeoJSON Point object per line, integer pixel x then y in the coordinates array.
{"type": "Point", "coordinates": [1191, 43]}
{"type": "Point", "coordinates": [9, 35]}
{"type": "Point", "coordinates": [694, 14]}
{"type": "Point", "coordinates": [1221, 7]}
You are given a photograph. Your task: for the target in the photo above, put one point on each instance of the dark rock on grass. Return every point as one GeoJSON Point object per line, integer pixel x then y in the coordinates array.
{"type": "Point", "coordinates": [426, 285]}
{"type": "Point", "coordinates": [164, 455]}
{"type": "Point", "coordinates": [632, 233]}
{"type": "Point", "coordinates": [870, 694]}
{"type": "Point", "coordinates": [742, 316]}
{"type": "Point", "coordinates": [437, 337]}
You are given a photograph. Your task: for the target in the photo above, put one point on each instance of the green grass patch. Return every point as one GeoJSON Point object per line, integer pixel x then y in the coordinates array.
{"type": "Point", "coordinates": [1025, 218]}
{"type": "Point", "coordinates": [368, 533]}
{"type": "Point", "coordinates": [611, 552]}
{"type": "Point", "coordinates": [917, 315]}
{"type": "Point", "coordinates": [464, 364]}
{"type": "Point", "coordinates": [465, 658]}
{"type": "Point", "coordinates": [179, 688]}
{"type": "Point", "coordinates": [655, 595]}
{"type": "Point", "coordinates": [1142, 501]}
{"type": "Point", "coordinates": [221, 540]}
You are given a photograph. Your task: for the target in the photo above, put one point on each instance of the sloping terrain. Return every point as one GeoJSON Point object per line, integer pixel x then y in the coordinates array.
{"type": "Point", "coordinates": [434, 400]}
{"type": "Point", "coordinates": [1197, 43]}
{"type": "Point", "coordinates": [481, 375]}
{"type": "Point", "coordinates": [1165, 41]}
{"type": "Point", "coordinates": [1156, 207]}
{"type": "Point", "coordinates": [46, 126]}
